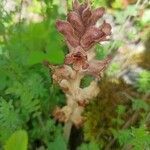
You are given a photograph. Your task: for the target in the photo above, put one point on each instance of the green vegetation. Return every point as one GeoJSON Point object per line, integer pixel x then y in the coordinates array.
{"type": "Point", "coordinates": [119, 118]}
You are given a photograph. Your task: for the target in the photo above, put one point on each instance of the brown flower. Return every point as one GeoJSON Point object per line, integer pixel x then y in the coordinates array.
{"type": "Point", "coordinates": [95, 16]}
{"type": "Point", "coordinates": [78, 58]}
{"type": "Point", "coordinates": [67, 30]}
{"type": "Point", "coordinates": [61, 73]}
{"type": "Point", "coordinates": [80, 30]}
{"type": "Point", "coordinates": [86, 14]}
{"type": "Point", "coordinates": [106, 28]}
{"type": "Point", "coordinates": [76, 22]}
{"type": "Point", "coordinates": [97, 67]}
{"type": "Point", "coordinates": [94, 35]}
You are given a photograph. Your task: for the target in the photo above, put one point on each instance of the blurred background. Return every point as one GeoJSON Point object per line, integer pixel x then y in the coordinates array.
{"type": "Point", "coordinates": [118, 119]}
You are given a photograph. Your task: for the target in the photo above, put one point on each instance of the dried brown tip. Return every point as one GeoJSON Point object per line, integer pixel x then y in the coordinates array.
{"type": "Point", "coordinates": [106, 28]}
{"type": "Point", "coordinates": [86, 14]}
{"type": "Point", "coordinates": [75, 4]}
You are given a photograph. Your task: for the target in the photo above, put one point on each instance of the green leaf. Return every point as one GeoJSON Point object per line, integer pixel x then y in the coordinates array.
{"type": "Point", "coordinates": [131, 10]}
{"type": "Point", "coordinates": [17, 141]}
{"type": "Point", "coordinates": [138, 104]}
{"type": "Point", "coordinates": [101, 52]}
{"type": "Point", "coordinates": [59, 143]}
{"type": "Point", "coordinates": [124, 136]}
{"type": "Point", "coordinates": [113, 69]}
{"type": "Point", "coordinates": [141, 138]}
{"type": "Point", "coordinates": [143, 83]}
{"type": "Point", "coordinates": [2, 29]}
{"type": "Point", "coordinates": [89, 146]}
{"type": "Point", "coordinates": [3, 81]}
{"type": "Point", "coordinates": [28, 95]}
{"type": "Point", "coordinates": [36, 57]}
{"type": "Point", "coordinates": [86, 81]}
{"type": "Point", "coordinates": [117, 4]}
{"type": "Point", "coordinates": [97, 3]}
{"type": "Point", "coordinates": [35, 7]}
{"type": "Point", "coordinates": [121, 16]}
{"type": "Point", "coordinates": [32, 44]}
{"type": "Point", "coordinates": [9, 117]}
{"type": "Point", "coordinates": [121, 109]}
{"type": "Point", "coordinates": [93, 146]}
{"type": "Point", "coordinates": [146, 17]}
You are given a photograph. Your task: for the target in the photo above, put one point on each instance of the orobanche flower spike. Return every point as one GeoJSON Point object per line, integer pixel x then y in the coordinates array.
{"type": "Point", "coordinates": [81, 35]}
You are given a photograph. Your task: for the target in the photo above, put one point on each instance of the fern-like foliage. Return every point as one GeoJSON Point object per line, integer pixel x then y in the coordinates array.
{"type": "Point", "coordinates": [137, 138]}
{"type": "Point", "coordinates": [143, 83]}
{"type": "Point", "coordinates": [8, 116]}
{"type": "Point", "coordinates": [9, 119]}
{"type": "Point", "coordinates": [29, 104]}
{"type": "Point", "coordinates": [49, 132]}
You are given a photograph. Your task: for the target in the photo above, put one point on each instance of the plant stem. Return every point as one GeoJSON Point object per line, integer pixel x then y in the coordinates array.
{"type": "Point", "coordinates": [67, 130]}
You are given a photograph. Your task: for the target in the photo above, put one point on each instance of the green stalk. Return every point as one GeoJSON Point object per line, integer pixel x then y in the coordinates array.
{"type": "Point", "coordinates": [67, 131]}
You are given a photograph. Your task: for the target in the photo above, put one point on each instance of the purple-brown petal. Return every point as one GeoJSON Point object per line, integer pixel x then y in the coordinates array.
{"type": "Point", "coordinates": [78, 58]}
{"type": "Point", "coordinates": [85, 65]}
{"type": "Point", "coordinates": [77, 65]}
{"type": "Point", "coordinates": [74, 42]}
{"type": "Point", "coordinates": [82, 8]}
{"type": "Point", "coordinates": [68, 59]}
{"type": "Point", "coordinates": [86, 14]}
{"type": "Point", "coordinates": [81, 51]}
{"type": "Point", "coordinates": [96, 15]}
{"type": "Point", "coordinates": [106, 28]}
{"type": "Point", "coordinates": [66, 29]}
{"type": "Point", "coordinates": [75, 20]}
{"type": "Point", "coordinates": [92, 35]}
{"type": "Point", "coordinates": [97, 67]}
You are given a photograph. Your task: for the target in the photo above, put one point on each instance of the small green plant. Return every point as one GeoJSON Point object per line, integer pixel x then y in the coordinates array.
{"type": "Point", "coordinates": [135, 138]}
{"type": "Point", "coordinates": [143, 84]}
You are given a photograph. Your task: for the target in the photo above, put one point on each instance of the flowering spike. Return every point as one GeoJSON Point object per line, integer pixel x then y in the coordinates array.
{"type": "Point", "coordinates": [81, 35]}
{"type": "Point", "coordinates": [90, 37]}
{"type": "Point", "coordinates": [96, 67]}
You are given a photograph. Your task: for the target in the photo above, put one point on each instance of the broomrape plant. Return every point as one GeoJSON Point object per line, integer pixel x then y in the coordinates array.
{"type": "Point", "coordinates": [81, 36]}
